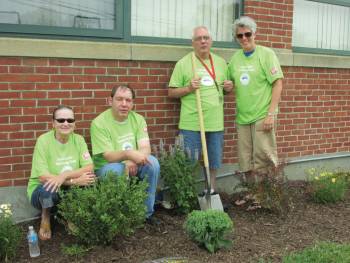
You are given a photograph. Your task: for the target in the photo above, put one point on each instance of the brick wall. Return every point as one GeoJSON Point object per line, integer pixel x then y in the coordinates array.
{"type": "Point", "coordinates": [314, 118]}
{"type": "Point", "coordinates": [274, 20]}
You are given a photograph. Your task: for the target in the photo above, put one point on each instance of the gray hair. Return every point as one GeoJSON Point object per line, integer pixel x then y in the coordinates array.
{"type": "Point", "coordinates": [244, 21]}
{"type": "Point", "coordinates": [200, 27]}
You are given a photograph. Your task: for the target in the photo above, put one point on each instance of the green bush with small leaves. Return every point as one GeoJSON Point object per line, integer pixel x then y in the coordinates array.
{"type": "Point", "coordinates": [178, 172]}
{"type": "Point", "coordinates": [326, 186]}
{"type": "Point", "coordinates": [209, 228]}
{"type": "Point", "coordinates": [97, 214]}
{"type": "Point", "coordinates": [74, 250]}
{"type": "Point", "coordinates": [10, 234]}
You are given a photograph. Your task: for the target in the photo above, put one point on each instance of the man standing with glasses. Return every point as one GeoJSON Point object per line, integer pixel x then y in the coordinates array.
{"type": "Point", "coordinates": [257, 75]}
{"type": "Point", "coordinates": [212, 81]}
{"type": "Point", "coordinates": [120, 144]}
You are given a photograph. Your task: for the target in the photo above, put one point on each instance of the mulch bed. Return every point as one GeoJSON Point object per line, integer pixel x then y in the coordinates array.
{"type": "Point", "coordinates": [258, 234]}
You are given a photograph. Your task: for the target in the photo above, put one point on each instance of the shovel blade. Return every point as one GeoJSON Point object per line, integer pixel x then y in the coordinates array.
{"type": "Point", "coordinates": [210, 202]}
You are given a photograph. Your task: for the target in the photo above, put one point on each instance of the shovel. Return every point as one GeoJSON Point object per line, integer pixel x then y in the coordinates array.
{"type": "Point", "coordinates": [208, 200]}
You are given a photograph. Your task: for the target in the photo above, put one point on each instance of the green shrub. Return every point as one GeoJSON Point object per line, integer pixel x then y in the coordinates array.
{"type": "Point", "coordinates": [326, 186]}
{"type": "Point", "coordinates": [324, 252]}
{"type": "Point", "coordinates": [74, 250]}
{"type": "Point", "coordinates": [10, 234]}
{"type": "Point", "coordinates": [209, 228]}
{"type": "Point", "coordinates": [178, 172]}
{"type": "Point", "coordinates": [270, 190]}
{"type": "Point", "coordinates": [97, 214]}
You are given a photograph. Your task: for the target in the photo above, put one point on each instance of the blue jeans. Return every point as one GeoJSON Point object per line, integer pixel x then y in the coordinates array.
{"type": "Point", "coordinates": [151, 170]}
{"type": "Point", "coordinates": [215, 142]}
{"type": "Point", "coordinates": [41, 198]}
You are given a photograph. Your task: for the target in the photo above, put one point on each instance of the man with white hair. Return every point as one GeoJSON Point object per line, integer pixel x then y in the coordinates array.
{"type": "Point", "coordinates": [212, 80]}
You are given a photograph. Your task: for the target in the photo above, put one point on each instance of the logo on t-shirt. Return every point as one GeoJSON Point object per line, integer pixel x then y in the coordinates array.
{"type": "Point", "coordinates": [244, 79]}
{"type": "Point", "coordinates": [207, 81]}
{"type": "Point", "coordinates": [127, 146]}
{"type": "Point", "coordinates": [86, 156]}
{"type": "Point", "coordinates": [66, 168]}
{"type": "Point", "coordinates": [274, 71]}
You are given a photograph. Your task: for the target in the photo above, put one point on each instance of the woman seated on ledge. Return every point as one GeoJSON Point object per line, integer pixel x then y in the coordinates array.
{"type": "Point", "coordinates": [60, 157]}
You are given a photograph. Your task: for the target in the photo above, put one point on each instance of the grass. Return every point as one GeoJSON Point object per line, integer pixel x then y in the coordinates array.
{"type": "Point", "coordinates": [323, 252]}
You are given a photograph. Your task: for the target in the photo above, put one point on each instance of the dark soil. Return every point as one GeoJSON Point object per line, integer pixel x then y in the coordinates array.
{"type": "Point", "coordinates": [257, 235]}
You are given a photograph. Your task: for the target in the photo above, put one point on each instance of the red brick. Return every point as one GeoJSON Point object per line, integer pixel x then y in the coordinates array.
{"type": "Point", "coordinates": [5, 183]}
{"type": "Point", "coordinates": [84, 62]}
{"type": "Point", "coordinates": [20, 182]}
{"type": "Point", "coordinates": [71, 70]}
{"type": "Point", "coordinates": [94, 85]}
{"type": "Point", "coordinates": [106, 63]}
{"type": "Point", "coordinates": [71, 86]}
{"type": "Point", "coordinates": [61, 78]}
{"type": "Point", "coordinates": [99, 71]}
{"type": "Point", "coordinates": [60, 62]}
{"type": "Point", "coordinates": [46, 70]}
{"type": "Point", "coordinates": [46, 86]}
{"type": "Point", "coordinates": [84, 78]}
{"type": "Point", "coordinates": [23, 78]}
{"type": "Point", "coordinates": [35, 61]}
{"type": "Point", "coordinates": [21, 69]}
{"type": "Point", "coordinates": [34, 95]}
{"type": "Point", "coordinates": [10, 61]}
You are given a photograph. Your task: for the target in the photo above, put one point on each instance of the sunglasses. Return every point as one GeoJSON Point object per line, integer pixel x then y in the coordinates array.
{"type": "Point", "coordinates": [246, 34]}
{"type": "Point", "coordinates": [61, 120]}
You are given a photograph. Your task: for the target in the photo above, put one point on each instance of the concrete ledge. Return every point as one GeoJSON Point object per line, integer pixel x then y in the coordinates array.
{"type": "Point", "coordinates": [24, 47]}
{"type": "Point", "coordinates": [21, 208]}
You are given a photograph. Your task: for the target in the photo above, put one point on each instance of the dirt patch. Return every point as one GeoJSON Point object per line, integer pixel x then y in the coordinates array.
{"type": "Point", "coordinates": [258, 234]}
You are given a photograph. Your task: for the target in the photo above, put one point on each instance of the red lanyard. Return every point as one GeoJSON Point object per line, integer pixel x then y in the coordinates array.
{"type": "Point", "coordinates": [212, 72]}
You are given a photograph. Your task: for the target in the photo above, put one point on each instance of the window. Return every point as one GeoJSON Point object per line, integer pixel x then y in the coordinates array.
{"type": "Point", "coordinates": [62, 17]}
{"type": "Point", "coordinates": [176, 19]}
{"type": "Point", "coordinates": [321, 25]}
{"type": "Point", "coordinates": [155, 21]}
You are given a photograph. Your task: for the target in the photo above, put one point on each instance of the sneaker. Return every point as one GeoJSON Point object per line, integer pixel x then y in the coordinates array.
{"type": "Point", "coordinates": [153, 221]}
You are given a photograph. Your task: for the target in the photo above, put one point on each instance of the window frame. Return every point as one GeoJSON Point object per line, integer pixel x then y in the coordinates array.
{"type": "Point", "coordinates": [121, 33]}
{"type": "Point", "coordinates": [66, 32]}
{"type": "Point", "coordinates": [336, 52]}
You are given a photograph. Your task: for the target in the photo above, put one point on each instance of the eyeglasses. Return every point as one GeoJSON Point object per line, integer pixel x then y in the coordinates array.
{"type": "Point", "coordinates": [199, 38]}
{"type": "Point", "coordinates": [61, 120]}
{"type": "Point", "coordinates": [246, 34]}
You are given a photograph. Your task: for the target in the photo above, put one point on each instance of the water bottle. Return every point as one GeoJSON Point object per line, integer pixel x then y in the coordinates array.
{"type": "Point", "coordinates": [33, 242]}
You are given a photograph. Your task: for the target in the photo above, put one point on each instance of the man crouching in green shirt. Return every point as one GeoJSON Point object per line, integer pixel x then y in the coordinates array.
{"type": "Point", "coordinates": [120, 144]}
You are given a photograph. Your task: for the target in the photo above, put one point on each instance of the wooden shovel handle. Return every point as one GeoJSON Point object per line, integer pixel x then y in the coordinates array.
{"type": "Point", "coordinates": [201, 122]}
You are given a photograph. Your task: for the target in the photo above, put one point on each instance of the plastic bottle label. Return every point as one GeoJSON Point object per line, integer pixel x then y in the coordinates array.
{"type": "Point", "coordinates": [33, 238]}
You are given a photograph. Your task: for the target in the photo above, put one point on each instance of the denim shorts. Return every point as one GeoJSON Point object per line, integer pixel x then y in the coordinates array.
{"type": "Point", "coordinates": [41, 198]}
{"type": "Point", "coordinates": [215, 142]}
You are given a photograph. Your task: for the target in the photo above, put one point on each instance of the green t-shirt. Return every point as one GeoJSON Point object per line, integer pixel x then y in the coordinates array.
{"type": "Point", "coordinates": [107, 134]}
{"type": "Point", "coordinates": [253, 77]}
{"type": "Point", "coordinates": [212, 99]}
{"type": "Point", "coordinates": [51, 156]}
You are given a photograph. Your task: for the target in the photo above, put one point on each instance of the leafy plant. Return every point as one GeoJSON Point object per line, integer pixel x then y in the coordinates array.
{"type": "Point", "coordinates": [209, 228]}
{"type": "Point", "coordinates": [326, 186]}
{"type": "Point", "coordinates": [74, 250]}
{"type": "Point", "coordinates": [324, 252]}
{"type": "Point", "coordinates": [270, 189]}
{"type": "Point", "coordinates": [10, 234]}
{"type": "Point", "coordinates": [178, 172]}
{"type": "Point", "coordinates": [97, 214]}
